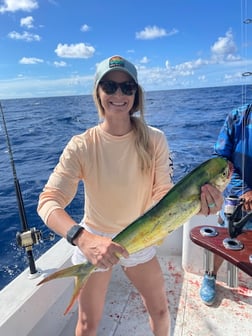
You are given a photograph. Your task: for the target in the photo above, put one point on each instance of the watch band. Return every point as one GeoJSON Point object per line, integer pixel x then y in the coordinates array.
{"type": "Point", "coordinates": [73, 233]}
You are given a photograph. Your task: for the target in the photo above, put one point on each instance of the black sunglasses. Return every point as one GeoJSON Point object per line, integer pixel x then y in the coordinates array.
{"type": "Point", "coordinates": [110, 87]}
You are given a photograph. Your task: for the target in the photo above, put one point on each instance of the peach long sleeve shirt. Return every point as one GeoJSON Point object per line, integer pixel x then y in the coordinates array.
{"type": "Point", "coordinates": [116, 191]}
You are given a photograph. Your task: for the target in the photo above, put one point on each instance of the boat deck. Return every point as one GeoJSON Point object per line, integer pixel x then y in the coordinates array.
{"type": "Point", "coordinates": [125, 314]}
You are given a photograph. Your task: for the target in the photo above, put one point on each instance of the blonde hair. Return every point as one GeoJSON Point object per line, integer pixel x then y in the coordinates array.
{"type": "Point", "coordinates": [143, 143]}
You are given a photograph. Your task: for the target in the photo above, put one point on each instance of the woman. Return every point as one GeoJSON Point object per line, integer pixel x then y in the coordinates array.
{"type": "Point", "coordinates": [126, 168]}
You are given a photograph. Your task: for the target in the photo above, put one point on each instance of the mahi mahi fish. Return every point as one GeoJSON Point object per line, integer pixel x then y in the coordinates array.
{"type": "Point", "coordinates": [180, 203]}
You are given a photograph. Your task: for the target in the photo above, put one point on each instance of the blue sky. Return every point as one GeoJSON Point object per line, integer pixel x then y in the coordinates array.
{"type": "Point", "coordinates": [52, 47]}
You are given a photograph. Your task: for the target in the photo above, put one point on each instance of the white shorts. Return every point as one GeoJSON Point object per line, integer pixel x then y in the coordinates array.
{"type": "Point", "coordinates": [134, 259]}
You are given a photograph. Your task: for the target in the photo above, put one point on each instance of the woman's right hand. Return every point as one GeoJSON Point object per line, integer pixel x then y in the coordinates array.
{"type": "Point", "coordinates": [100, 251]}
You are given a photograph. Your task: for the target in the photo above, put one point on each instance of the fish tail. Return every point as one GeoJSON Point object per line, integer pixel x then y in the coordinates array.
{"type": "Point", "coordinates": [79, 283]}
{"type": "Point", "coordinates": [64, 273]}
{"type": "Point", "coordinates": [81, 272]}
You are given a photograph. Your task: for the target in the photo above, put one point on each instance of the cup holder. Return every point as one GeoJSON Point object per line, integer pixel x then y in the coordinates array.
{"type": "Point", "coordinates": [208, 231]}
{"type": "Point", "coordinates": [233, 244]}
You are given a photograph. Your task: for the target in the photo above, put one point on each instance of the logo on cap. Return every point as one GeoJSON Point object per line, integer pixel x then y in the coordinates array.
{"type": "Point", "coordinates": [116, 61]}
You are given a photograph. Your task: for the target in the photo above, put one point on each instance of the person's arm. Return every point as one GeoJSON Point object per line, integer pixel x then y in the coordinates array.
{"type": "Point", "coordinates": [58, 193]}
{"type": "Point", "coordinates": [100, 251]}
{"type": "Point", "coordinates": [224, 145]}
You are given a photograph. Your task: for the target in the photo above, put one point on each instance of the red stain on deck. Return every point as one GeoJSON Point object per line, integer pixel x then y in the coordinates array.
{"type": "Point", "coordinates": [170, 266]}
{"type": "Point", "coordinates": [244, 291]}
{"type": "Point", "coordinates": [194, 283]}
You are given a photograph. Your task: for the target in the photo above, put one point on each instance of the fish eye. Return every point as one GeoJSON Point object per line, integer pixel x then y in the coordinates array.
{"type": "Point", "coordinates": [225, 172]}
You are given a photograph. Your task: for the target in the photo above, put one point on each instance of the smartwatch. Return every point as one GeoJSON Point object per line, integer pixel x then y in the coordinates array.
{"type": "Point", "coordinates": [74, 233]}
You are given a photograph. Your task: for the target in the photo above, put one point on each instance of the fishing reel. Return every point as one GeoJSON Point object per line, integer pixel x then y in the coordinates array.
{"type": "Point", "coordinates": [32, 237]}
{"type": "Point", "coordinates": [235, 215]}
{"type": "Point", "coordinates": [26, 239]}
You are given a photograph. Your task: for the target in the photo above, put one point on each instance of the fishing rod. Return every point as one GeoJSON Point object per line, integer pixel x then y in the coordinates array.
{"type": "Point", "coordinates": [247, 73]}
{"type": "Point", "coordinates": [236, 217]}
{"type": "Point", "coordinates": [27, 237]}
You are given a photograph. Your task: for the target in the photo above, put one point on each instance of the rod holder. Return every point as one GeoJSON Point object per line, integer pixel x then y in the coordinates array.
{"type": "Point", "coordinates": [232, 275]}
{"type": "Point", "coordinates": [208, 231]}
{"type": "Point", "coordinates": [208, 261]}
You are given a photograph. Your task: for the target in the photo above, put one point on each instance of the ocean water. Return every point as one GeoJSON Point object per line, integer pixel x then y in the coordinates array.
{"type": "Point", "coordinates": [39, 128]}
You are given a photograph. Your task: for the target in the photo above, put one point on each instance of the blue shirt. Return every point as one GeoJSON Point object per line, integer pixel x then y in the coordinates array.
{"type": "Point", "coordinates": [235, 143]}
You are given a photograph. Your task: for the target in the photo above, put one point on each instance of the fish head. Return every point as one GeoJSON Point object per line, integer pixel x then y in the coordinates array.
{"type": "Point", "coordinates": [221, 180]}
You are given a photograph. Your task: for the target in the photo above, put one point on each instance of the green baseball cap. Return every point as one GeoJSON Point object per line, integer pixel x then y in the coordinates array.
{"type": "Point", "coordinates": [112, 64]}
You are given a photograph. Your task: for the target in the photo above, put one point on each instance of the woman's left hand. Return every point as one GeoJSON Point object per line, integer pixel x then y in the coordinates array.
{"type": "Point", "coordinates": [211, 200]}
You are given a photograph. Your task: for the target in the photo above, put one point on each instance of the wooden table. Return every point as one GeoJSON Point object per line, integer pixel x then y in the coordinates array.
{"type": "Point", "coordinates": [238, 258]}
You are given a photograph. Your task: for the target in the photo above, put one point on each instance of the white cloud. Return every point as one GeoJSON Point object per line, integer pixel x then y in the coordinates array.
{"type": "Point", "coordinates": [186, 68]}
{"type": "Point", "coordinates": [30, 60]}
{"type": "Point", "coordinates": [233, 58]}
{"type": "Point", "coordinates": [27, 22]}
{"type": "Point", "coordinates": [79, 50]}
{"type": "Point", "coordinates": [167, 65]}
{"type": "Point", "coordinates": [150, 33]}
{"type": "Point", "coordinates": [223, 51]}
{"type": "Point", "coordinates": [85, 28]}
{"type": "Point", "coordinates": [28, 37]}
{"type": "Point", "coordinates": [16, 5]}
{"type": "Point", "coordinates": [224, 48]}
{"type": "Point", "coordinates": [144, 60]}
{"type": "Point", "coordinates": [60, 64]}
{"type": "Point", "coordinates": [202, 78]}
